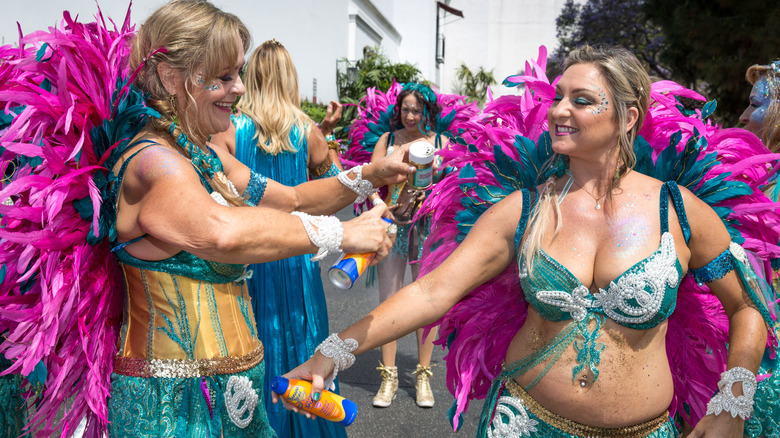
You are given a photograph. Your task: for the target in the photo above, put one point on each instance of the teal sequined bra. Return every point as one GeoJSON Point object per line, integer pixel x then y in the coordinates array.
{"type": "Point", "coordinates": [642, 297]}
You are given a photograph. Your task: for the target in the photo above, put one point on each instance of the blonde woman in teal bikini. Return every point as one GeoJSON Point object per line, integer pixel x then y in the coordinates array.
{"type": "Point", "coordinates": [591, 357]}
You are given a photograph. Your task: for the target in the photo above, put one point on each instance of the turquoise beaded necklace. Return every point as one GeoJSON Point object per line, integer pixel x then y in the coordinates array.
{"type": "Point", "coordinates": [207, 163]}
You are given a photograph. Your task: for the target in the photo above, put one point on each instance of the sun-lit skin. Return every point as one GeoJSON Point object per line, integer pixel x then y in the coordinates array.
{"type": "Point", "coordinates": [753, 116]}
{"type": "Point", "coordinates": [159, 162]}
{"type": "Point", "coordinates": [632, 236]}
{"type": "Point", "coordinates": [632, 233]}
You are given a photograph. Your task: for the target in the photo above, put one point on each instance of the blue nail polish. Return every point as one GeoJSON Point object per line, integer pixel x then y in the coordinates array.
{"type": "Point", "coordinates": [316, 396]}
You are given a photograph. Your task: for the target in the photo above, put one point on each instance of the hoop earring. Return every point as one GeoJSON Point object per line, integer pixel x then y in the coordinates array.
{"type": "Point", "coordinates": [172, 103]}
{"type": "Point", "coordinates": [6, 175]}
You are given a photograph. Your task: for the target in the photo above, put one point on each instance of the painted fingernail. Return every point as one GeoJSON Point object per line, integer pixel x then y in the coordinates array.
{"type": "Point", "coordinates": [316, 396]}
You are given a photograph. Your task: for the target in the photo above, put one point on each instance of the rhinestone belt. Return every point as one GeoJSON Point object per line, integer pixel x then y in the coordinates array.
{"type": "Point", "coordinates": [184, 368]}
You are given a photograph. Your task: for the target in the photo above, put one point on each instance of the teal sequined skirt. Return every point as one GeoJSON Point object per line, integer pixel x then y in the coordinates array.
{"type": "Point", "coordinates": [179, 407]}
{"type": "Point", "coordinates": [12, 411]}
{"type": "Point", "coordinates": [410, 239]}
{"type": "Point", "coordinates": [765, 422]}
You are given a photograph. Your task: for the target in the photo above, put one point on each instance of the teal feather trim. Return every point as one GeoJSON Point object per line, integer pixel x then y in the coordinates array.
{"type": "Point", "coordinates": [110, 140]}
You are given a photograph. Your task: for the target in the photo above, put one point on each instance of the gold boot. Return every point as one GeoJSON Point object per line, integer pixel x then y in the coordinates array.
{"type": "Point", "coordinates": [389, 387]}
{"type": "Point", "coordinates": [423, 386]}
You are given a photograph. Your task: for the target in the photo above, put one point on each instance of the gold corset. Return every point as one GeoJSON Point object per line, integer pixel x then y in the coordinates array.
{"type": "Point", "coordinates": [169, 316]}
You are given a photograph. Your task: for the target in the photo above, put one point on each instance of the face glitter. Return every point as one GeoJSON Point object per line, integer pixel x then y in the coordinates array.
{"type": "Point", "coordinates": [603, 103]}
{"type": "Point", "coordinates": [760, 101]}
{"type": "Point", "coordinates": [213, 87]}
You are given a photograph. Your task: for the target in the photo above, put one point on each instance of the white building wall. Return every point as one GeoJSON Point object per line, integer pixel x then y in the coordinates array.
{"type": "Point", "coordinates": [315, 37]}
{"type": "Point", "coordinates": [417, 21]}
{"type": "Point", "coordinates": [315, 32]}
{"type": "Point", "coordinates": [495, 34]}
{"type": "Point", "coordinates": [499, 35]}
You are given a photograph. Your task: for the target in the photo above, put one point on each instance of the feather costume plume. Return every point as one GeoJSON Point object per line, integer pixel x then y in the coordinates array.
{"type": "Point", "coordinates": [66, 93]}
{"type": "Point", "coordinates": [504, 150]}
{"type": "Point", "coordinates": [373, 120]}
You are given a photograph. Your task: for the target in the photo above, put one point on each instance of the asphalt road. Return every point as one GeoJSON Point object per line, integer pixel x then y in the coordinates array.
{"type": "Point", "coordinates": [403, 419]}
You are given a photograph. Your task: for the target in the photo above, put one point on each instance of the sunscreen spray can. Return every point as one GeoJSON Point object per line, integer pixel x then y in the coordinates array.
{"type": "Point", "coordinates": [350, 267]}
{"type": "Point", "coordinates": [421, 157]}
{"type": "Point", "coordinates": [331, 407]}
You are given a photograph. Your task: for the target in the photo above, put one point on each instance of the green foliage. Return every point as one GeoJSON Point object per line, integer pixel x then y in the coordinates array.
{"type": "Point", "coordinates": [316, 111]}
{"type": "Point", "coordinates": [374, 70]}
{"type": "Point", "coordinates": [706, 45]}
{"type": "Point", "coordinates": [609, 22]}
{"type": "Point", "coordinates": [710, 45]}
{"type": "Point", "coordinates": [474, 85]}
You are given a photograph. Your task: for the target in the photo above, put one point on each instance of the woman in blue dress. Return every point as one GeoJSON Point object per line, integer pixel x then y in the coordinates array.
{"type": "Point", "coordinates": [275, 138]}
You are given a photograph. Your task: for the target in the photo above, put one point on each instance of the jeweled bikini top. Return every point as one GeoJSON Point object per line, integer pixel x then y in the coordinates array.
{"type": "Point", "coordinates": [641, 298]}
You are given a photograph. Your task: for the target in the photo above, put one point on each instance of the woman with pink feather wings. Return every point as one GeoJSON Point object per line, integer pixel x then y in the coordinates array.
{"type": "Point", "coordinates": [616, 298]}
{"type": "Point", "coordinates": [107, 147]}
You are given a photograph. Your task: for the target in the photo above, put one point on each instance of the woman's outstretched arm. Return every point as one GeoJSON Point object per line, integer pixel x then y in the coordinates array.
{"type": "Point", "coordinates": [486, 251]}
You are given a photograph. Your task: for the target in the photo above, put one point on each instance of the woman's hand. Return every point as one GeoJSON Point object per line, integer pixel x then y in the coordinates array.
{"type": "Point", "coordinates": [717, 426]}
{"type": "Point", "coordinates": [332, 117]}
{"type": "Point", "coordinates": [315, 370]}
{"type": "Point", "coordinates": [368, 233]}
{"type": "Point", "coordinates": [395, 220]}
{"type": "Point", "coordinates": [392, 169]}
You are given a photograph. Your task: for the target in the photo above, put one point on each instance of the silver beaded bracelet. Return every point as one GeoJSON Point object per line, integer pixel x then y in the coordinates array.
{"type": "Point", "coordinates": [327, 236]}
{"type": "Point", "coordinates": [725, 400]}
{"type": "Point", "coordinates": [358, 185]}
{"type": "Point", "coordinates": [341, 354]}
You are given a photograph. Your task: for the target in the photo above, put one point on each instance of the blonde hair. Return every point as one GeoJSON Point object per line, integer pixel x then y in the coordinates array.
{"type": "Point", "coordinates": [272, 100]}
{"type": "Point", "coordinates": [192, 36]}
{"type": "Point", "coordinates": [629, 85]}
{"type": "Point", "coordinates": [770, 134]}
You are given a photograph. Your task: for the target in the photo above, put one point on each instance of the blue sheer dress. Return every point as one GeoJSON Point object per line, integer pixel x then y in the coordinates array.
{"type": "Point", "coordinates": [287, 295]}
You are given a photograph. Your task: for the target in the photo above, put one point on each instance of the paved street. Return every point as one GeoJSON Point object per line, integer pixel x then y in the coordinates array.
{"type": "Point", "coordinates": [403, 419]}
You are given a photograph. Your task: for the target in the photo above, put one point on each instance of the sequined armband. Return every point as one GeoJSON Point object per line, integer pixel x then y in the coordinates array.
{"type": "Point", "coordinates": [716, 269]}
{"type": "Point", "coordinates": [332, 171]}
{"type": "Point", "coordinates": [255, 189]}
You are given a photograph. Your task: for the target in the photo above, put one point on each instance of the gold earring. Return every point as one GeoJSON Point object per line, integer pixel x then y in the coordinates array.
{"type": "Point", "coordinates": [172, 103]}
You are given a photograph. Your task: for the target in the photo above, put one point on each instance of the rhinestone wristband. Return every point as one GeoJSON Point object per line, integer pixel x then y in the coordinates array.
{"type": "Point", "coordinates": [725, 400]}
{"type": "Point", "coordinates": [358, 185]}
{"type": "Point", "coordinates": [327, 236]}
{"type": "Point", "coordinates": [341, 354]}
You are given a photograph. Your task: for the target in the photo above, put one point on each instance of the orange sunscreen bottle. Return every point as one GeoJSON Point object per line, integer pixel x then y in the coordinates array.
{"type": "Point", "coordinates": [332, 407]}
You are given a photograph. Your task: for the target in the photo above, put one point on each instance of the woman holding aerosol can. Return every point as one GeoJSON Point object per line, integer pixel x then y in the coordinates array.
{"type": "Point", "coordinates": [412, 122]}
